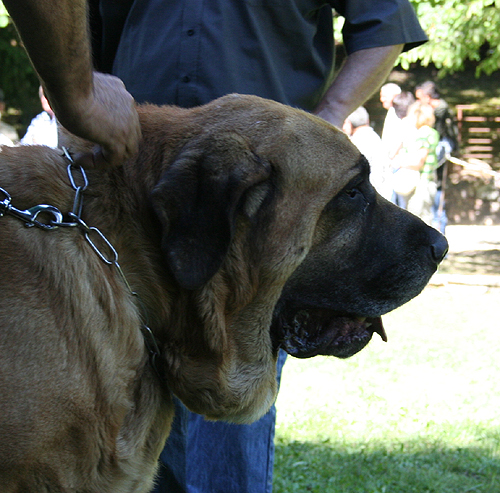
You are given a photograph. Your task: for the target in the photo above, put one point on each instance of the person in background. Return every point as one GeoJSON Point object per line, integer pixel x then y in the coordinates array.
{"type": "Point", "coordinates": [394, 141]}
{"type": "Point", "coordinates": [5, 141]}
{"type": "Point", "coordinates": [446, 125]}
{"type": "Point", "coordinates": [43, 128]}
{"type": "Point", "coordinates": [419, 152]}
{"type": "Point", "coordinates": [387, 94]}
{"type": "Point", "coordinates": [357, 127]}
{"type": "Point", "coordinates": [188, 53]}
{"type": "Point", "coordinates": [8, 134]}
{"type": "Point", "coordinates": [401, 104]}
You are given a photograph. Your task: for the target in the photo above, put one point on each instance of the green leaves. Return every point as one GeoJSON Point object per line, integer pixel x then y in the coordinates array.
{"type": "Point", "coordinates": [458, 31]}
{"type": "Point", "coordinates": [4, 16]}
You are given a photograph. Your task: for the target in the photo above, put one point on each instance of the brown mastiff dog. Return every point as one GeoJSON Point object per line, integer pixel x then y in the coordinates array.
{"type": "Point", "coordinates": [241, 227]}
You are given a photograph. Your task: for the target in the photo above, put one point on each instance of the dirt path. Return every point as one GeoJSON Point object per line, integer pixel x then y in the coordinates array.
{"type": "Point", "coordinates": [474, 256]}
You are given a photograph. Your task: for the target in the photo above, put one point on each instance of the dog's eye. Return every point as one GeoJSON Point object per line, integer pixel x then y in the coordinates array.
{"type": "Point", "coordinates": [357, 196]}
{"type": "Point", "coordinates": [352, 192]}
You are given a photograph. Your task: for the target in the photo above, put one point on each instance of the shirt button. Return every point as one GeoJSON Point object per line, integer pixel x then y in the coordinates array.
{"type": "Point", "coordinates": [186, 78]}
{"type": "Point", "coordinates": [190, 32]}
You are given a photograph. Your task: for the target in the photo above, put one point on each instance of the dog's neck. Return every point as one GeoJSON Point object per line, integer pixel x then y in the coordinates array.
{"type": "Point", "coordinates": [180, 318]}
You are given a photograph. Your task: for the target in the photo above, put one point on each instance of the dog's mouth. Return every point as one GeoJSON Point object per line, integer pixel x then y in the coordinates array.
{"type": "Point", "coordinates": [316, 331]}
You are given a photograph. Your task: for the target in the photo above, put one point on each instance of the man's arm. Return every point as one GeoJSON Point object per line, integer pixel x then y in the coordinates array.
{"type": "Point", "coordinates": [91, 105]}
{"type": "Point", "coordinates": [362, 74]}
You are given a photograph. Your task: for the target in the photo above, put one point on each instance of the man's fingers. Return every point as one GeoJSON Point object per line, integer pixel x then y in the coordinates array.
{"type": "Point", "coordinates": [107, 117]}
{"type": "Point", "coordinates": [124, 146]}
{"type": "Point", "coordinates": [116, 155]}
{"type": "Point", "coordinates": [91, 160]}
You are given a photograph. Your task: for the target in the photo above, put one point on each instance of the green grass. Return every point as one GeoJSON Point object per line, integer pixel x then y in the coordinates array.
{"type": "Point", "coordinates": [418, 414]}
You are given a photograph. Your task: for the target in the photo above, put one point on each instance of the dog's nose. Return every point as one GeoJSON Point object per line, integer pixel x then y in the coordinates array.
{"type": "Point", "coordinates": [439, 247]}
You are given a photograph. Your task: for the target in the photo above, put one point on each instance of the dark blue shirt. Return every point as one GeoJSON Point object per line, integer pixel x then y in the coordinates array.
{"type": "Point", "coordinates": [189, 52]}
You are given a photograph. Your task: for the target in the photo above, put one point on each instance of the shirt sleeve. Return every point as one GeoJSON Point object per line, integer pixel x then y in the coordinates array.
{"type": "Point", "coordinates": [376, 23]}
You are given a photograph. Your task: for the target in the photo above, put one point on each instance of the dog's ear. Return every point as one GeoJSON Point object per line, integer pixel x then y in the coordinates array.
{"type": "Point", "coordinates": [197, 201]}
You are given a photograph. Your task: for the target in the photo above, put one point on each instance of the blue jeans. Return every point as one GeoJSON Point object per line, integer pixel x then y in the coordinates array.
{"type": "Point", "coordinates": [439, 218]}
{"type": "Point", "coordinates": [215, 457]}
{"type": "Point", "coordinates": [400, 200]}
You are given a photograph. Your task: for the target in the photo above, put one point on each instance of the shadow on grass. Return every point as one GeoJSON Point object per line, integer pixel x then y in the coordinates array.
{"type": "Point", "coordinates": [413, 468]}
{"type": "Point", "coordinates": [472, 262]}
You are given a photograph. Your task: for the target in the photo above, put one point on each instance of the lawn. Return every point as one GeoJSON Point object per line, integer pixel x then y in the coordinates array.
{"type": "Point", "coordinates": [418, 414]}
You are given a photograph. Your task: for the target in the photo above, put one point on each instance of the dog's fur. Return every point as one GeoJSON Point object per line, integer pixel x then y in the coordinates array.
{"type": "Point", "coordinates": [222, 206]}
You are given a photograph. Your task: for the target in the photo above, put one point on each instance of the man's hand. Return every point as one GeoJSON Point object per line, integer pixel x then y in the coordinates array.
{"type": "Point", "coordinates": [106, 116]}
{"type": "Point", "coordinates": [91, 105]}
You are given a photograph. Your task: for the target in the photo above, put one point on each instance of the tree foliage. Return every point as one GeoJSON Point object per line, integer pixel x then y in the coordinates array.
{"type": "Point", "coordinates": [18, 80]}
{"type": "Point", "coordinates": [4, 16]}
{"type": "Point", "coordinates": [459, 31]}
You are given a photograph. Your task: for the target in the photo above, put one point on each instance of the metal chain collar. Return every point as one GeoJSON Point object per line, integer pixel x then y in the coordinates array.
{"type": "Point", "coordinates": [49, 218]}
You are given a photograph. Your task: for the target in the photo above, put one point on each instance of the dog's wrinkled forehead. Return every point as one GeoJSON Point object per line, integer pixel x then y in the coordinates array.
{"type": "Point", "coordinates": [303, 147]}
{"type": "Point", "coordinates": [318, 151]}
{"type": "Point", "coordinates": [362, 166]}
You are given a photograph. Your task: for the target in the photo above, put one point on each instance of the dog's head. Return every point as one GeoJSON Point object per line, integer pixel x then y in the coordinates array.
{"type": "Point", "coordinates": [270, 221]}
{"type": "Point", "coordinates": [369, 258]}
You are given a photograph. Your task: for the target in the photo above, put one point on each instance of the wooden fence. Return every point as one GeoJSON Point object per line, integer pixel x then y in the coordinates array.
{"type": "Point", "coordinates": [479, 133]}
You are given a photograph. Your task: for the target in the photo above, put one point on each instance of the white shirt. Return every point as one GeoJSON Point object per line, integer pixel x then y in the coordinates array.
{"type": "Point", "coordinates": [392, 132]}
{"type": "Point", "coordinates": [42, 131]}
{"type": "Point", "coordinates": [370, 145]}
{"type": "Point", "coordinates": [5, 141]}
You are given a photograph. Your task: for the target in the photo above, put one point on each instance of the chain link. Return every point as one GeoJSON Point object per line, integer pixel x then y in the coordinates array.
{"type": "Point", "coordinates": [52, 215]}
{"type": "Point", "coordinates": [54, 219]}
